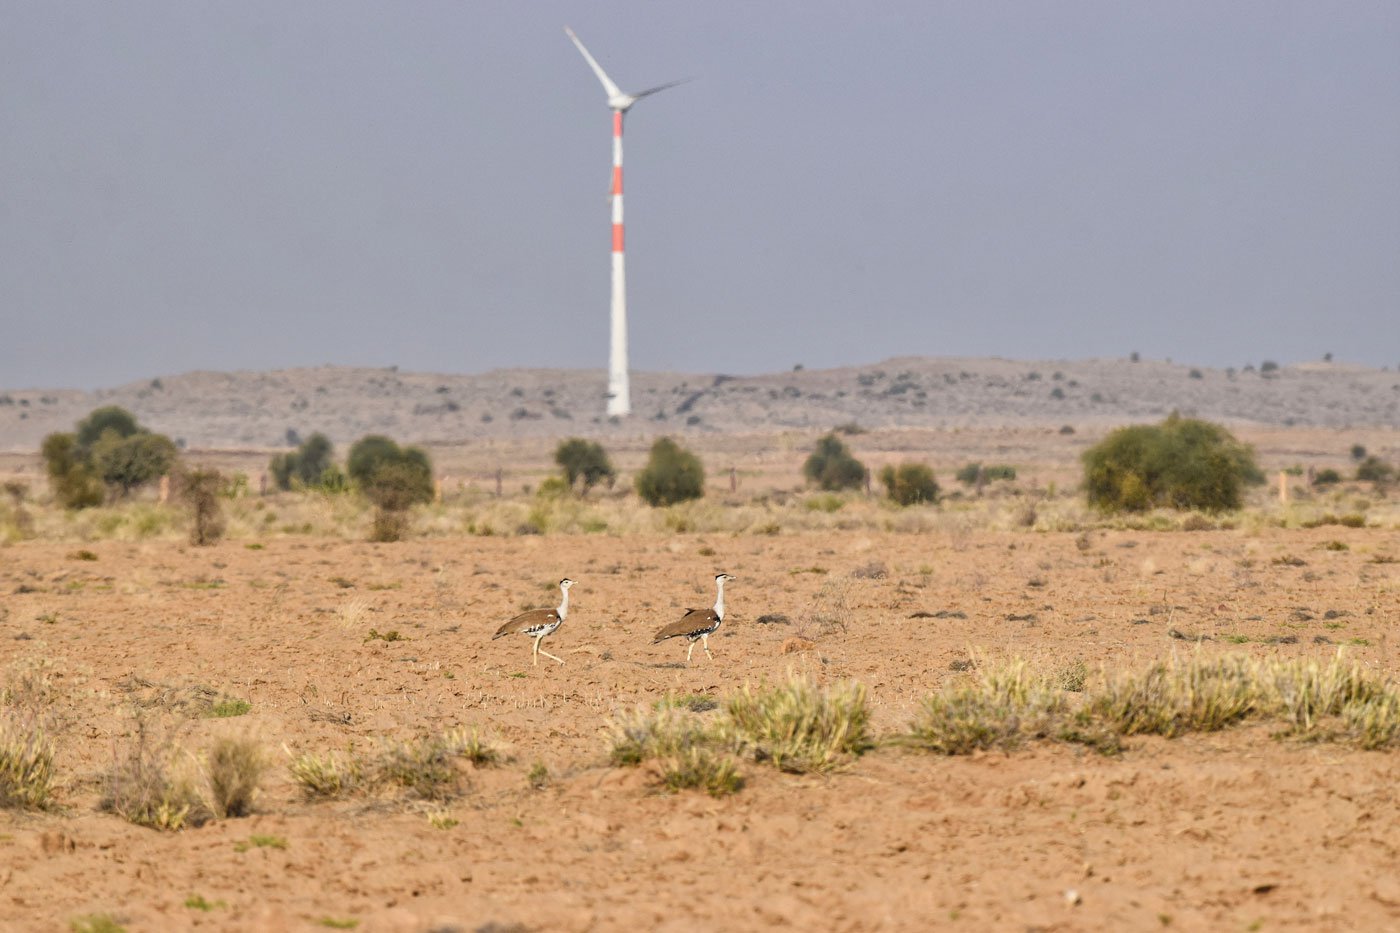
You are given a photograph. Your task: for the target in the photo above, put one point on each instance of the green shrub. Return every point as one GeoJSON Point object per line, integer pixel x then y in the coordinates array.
{"type": "Point", "coordinates": [584, 460]}
{"type": "Point", "coordinates": [1374, 470]}
{"type": "Point", "coordinates": [910, 483]}
{"type": "Point", "coordinates": [832, 465]}
{"type": "Point", "coordinates": [672, 474]}
{"type": "Point", "coordinates": [1327, 477]}
{"type": "Point", "coordinates": [367, 454]}
{"type": "Point", "coordinates": [307, 465]}
{"type": "Point", "coordinates": [971, 474]}
{"type": "Point", "coordinates": [1182, 463]}
{"type": "Point", "coordinates": [75, 485]}
{"type": "Point", "coordinates": [1358, 452]}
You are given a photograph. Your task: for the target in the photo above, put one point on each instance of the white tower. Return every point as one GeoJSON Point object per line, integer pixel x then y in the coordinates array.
{"type": "Point", "coordinates": [619, 389]}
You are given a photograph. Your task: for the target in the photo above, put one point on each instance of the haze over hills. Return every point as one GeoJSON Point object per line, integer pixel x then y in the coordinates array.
{"type": "Point", "coordinates": [227, 410]}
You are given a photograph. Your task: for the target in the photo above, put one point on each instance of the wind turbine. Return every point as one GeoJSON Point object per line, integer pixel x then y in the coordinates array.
{"type": "Point", "coordinates": [619, 391]}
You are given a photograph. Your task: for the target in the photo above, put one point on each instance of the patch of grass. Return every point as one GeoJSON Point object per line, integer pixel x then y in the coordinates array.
{"type": "Point", "coordinates": [228, 707]}
{"type": "Point", "coordinates": [700, 767]}
{"type": "Point", "coordinates": [256, 841]}
{"type": "Point", "coordinates": [538, 776]}
{"type": "Point", "coordinates": [695, 702]}
{"type": "Point", "coordinates": [96, 923]}
{"type": "Point", "coordinates": [82, 555]}
{"type": "Point", "coordinates": [198, 902]}
{"type": "Point", "coordinates": [336, 923]}
{"type": "Point", "coordinates": [26, 763]}
{"type": "Point", "coordinates": [1007, 706]}
{"type": "Point", "coordinates": [1173, 699]}
{"type": "Point", "coordinates": [686, 755]}
{"type": "Point", "coordinates": [441, 819]}
{"type": "Point", "coordinates": [389, 636]}
{"type": "Point", "coordinates": [799, 726]}
{"type": "Point", "coordinates": [427, 766]}
{"type": "Point", "coordinates": [1333, 701]}
{"type": "Point", "coordinates": [326, 777]}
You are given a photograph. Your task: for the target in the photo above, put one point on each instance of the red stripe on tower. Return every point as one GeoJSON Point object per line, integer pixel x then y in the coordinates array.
{"type": "Point", "coordinates": [617, 238]}
{"type": "Point", "coordinates": [617, 179]}
{"type": "Point", "coordinates": [617, 122]}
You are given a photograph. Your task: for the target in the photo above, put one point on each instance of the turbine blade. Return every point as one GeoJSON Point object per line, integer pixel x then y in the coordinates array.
{"type": "Point", "coordinates": [660, 87]}
{"type": "Point", "coordinates": [608, 85]}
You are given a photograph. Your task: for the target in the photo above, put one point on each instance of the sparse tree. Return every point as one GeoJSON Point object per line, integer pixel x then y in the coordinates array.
{"type": "Point", "coordinates": [306, 465]}
{"type": "Point", "coordinates": [393, 478]}
{"type": "Point", "coordinates": [127, 462]}
{"type": "Point", "coordinates": [672, 474]}
{"type": "Point", "coordinates": [99, 421]}
{"type": "Point", "coordinates": [199, 488]}
{"type": "Point", "coordinates": [832, 466]}
{"type": "Point", "coordinates": [584, 461]}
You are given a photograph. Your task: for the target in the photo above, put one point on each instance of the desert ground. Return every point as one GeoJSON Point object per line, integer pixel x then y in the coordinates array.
{"type": "Point", "coordinates": [313, 641]}
{"type": "Point", "coordinates": [1232, 830]}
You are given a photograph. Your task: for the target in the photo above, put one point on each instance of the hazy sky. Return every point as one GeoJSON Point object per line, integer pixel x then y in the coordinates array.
{"type": "Point", "coordinates": [200, 185]}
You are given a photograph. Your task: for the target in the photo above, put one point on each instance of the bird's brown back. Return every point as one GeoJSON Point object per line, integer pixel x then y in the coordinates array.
{"type": "Point", "coordinates": [693, 621]}
{"type": "Point", "coordinates": [528, 620]}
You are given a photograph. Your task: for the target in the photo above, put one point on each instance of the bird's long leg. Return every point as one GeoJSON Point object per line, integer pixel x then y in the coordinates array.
{"type": "Point", "coordinates": [550, 656]}
{"type": "Point", "coordinates": [535, 652]}
{"type": "Point", "coordinates": [705, 642]}
{"type": "Point", "coordinates": [688, 651]}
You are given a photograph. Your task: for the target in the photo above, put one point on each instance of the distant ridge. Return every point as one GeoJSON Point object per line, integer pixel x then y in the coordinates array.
{"type": "Point", "coordinates": [230, 410]}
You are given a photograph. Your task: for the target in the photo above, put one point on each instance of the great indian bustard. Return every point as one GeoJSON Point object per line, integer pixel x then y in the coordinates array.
{"type": "Point", "coordinates": [698, 624]}
{"type": "Point", "coordinates": [539, 623]}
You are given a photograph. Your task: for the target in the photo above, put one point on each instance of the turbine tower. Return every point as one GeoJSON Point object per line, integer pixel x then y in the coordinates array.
{"type": "Point", "coordinates": [619, 391]}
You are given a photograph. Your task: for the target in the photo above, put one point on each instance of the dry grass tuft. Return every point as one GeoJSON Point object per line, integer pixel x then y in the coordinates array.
{"type": "Point", "coordinates": [147, 787]}
{"type": "Point", "coordinates": [1172, 699]}
{"type": "Point", "coordinates": [686, 754]}
{"type": "Point", "coordinates": [429, 767]}
{"type": "Point", "coordinates": [799, 726]}
{"type": "Point", "coordinates": [26, 763]}
{"type": "Point", "coordinates": [234, 774]}
{"type": "Point", "coordinates": [1334, 701]}
{"type": "Point", "coordinates": [1008, 705]}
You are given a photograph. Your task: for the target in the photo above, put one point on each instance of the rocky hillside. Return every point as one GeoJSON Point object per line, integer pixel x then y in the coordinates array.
{"type": "Point", "coordinates": [259, 409]}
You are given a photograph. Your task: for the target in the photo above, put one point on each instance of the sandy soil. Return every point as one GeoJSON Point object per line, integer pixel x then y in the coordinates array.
{"type": "Point", "coordinates": [1230, 831]}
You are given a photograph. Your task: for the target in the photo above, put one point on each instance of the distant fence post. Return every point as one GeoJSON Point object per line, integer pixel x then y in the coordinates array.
{"type": "Point", "coordinates": [262, 484]}
{"type": "Point", "coordinates": [165, 489]}
{"type": "Point", "coordinates": [498, 482]}
{"type": "Point", "coordinates": [1283, 487]}
{"type": "Point", "coordinates": [733, 479]}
